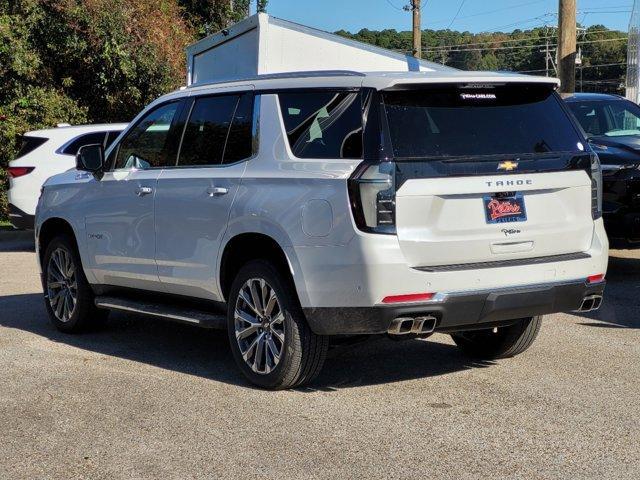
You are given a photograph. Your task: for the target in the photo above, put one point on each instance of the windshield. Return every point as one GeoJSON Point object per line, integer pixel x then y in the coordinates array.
{"type": "Point", "coordinates": [611, 118]}
{"type": "Point", "coordinates": [463, 121]}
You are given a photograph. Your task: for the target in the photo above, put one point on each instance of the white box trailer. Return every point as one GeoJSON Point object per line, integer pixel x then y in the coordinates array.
{"type": "Point", "coordinates": [262, 44]}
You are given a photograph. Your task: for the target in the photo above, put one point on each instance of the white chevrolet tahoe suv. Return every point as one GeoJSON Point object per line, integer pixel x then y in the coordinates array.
{"type": "Point", "coordinates": [293, 209]}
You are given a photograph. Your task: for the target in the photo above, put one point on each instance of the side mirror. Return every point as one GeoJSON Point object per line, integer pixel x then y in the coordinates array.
{"type": "Point", "coordinates": [90, 158]}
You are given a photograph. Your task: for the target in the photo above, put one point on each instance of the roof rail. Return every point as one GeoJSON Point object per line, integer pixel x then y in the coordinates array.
{"type": "Point", "coordinates": [275, 76]}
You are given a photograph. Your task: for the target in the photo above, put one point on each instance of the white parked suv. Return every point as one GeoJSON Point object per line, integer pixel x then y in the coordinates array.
{"type": "Point", "coordinates": [45, 153]}
{"type": "Point", "coordinates": [295, 208]}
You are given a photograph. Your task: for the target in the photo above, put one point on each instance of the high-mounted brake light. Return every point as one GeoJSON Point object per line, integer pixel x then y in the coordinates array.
{"type": "Point", "coordinates": [16, 172]}
{"type": "Point", "coordinates": [595, 278]}
{"type": "Point", "coordinates": [409, 298]}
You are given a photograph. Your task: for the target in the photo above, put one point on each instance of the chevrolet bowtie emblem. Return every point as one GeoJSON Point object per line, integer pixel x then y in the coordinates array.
{"type": "Point", "coordinates": [507, 166]}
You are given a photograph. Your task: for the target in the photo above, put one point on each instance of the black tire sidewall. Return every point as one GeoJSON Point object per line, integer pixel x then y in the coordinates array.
{"type": "Point", "coordinates": [84, 305]}
{"type": "Point", "coordinates": [292, 324]}
{"type": "Point", "coordinates": [511, 341]}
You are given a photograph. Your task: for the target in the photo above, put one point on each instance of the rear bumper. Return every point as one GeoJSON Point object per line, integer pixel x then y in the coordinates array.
{"type": "Point", "coordinates": [458, 311]}
{"type": "Point", "coordinates": [20, 219]}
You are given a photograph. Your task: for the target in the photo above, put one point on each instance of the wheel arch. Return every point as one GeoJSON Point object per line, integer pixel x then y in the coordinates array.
{"type": "Point", "coordinates": [49, 229]}
{"type": "Point", "coordinates": [247, 246]}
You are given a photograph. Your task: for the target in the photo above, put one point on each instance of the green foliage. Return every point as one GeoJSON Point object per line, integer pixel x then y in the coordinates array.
{"type": "Point", "coordinates": [82, 61]}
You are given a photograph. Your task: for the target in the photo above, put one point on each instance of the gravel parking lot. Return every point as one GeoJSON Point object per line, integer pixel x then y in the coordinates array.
{"type": "Point", "coordinates": [145, 398]}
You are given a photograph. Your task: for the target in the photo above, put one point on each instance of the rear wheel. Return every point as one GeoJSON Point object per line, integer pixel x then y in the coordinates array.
{"type": "Point", "coordinates": [69, 299]}
{"type": "Point", "coordinates": [502, 342]}
{"type": "Point", "coordinates": [269, 336]}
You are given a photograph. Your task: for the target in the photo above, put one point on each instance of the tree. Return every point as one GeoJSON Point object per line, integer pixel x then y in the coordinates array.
{"type": "Point", "coordinates": [77, 61]}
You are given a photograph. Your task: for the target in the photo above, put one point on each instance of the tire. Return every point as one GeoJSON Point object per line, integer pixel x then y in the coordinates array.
{"type": "Point", "coordinates": [64, 279]}
{"type": "Point", "coordinates": [506, 342]}
{"type": "Point", "coordinates": [281, 323]}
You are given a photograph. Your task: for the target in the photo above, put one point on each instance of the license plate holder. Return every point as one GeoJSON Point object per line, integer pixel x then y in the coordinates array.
{"type": "Point", "coordinates": [501, 208]}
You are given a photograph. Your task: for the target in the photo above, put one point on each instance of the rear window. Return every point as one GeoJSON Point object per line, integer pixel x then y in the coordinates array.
{"type": "Point", "coordinates": [463, 121]}
{"type": "Point", "coordinates": [72, 147]}
{"type": "Point", "coordinates": [29, 144]}
{"type": "Point", "coordinates": [323, 124]}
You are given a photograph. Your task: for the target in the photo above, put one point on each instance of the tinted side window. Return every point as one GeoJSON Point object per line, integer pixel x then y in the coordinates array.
{"type": "Point", "coordinates": [87, 139]}
{"type": "Point", "coordinates": [145, 144]}
{"type": "Point", "coordinates": [240, 139]}
{"type": "Point", "coordinates": [206, 131]}
{"type": "Point", "coordinates": [29, 144]}
{"type": "Point", "coordinates": [111, 136]}
{"type": "Point", "coordinates": [323, 124]}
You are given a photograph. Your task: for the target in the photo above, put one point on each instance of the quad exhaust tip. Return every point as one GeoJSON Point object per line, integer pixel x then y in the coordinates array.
{"type": "Point", "coordinates": [590, 303]}
{"type": "Point", "coordinates": [416, 326]}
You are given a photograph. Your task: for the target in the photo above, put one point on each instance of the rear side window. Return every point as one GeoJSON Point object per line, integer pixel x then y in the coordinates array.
{"type": "Point", "coordinates": [240, 140]}
{"type": "Point", "coordinates": [145, 145]}
{"type": "Point", "coordinates": [323, 124]}
{"type": "Point", "coordinates": [219, 131]}
{"type": "Point", "coordinates": [72, 147]}
{"type": "Point", "coordinates": [206, 132]}
{"type": "Point", "coordinates": [454, 122]}
{"type": "Point", "coordinates": [29, 144]}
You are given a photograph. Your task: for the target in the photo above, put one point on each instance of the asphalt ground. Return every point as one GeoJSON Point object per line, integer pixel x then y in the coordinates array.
{"type": "Point", "coordinates": [144, 398]}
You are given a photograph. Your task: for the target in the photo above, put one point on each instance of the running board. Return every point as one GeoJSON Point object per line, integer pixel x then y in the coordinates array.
{"type": "Point", "coordinates": [170, 312]}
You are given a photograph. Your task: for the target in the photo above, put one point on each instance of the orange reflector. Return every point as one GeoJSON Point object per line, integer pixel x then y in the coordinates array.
{"type": "Point", "coordinates": [412, 297]}
{"type": "Point", "coordinates": [595, 278]}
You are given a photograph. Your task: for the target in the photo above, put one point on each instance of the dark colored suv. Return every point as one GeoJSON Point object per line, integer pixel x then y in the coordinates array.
{"type": "Point", "coordinates": [612, 125]}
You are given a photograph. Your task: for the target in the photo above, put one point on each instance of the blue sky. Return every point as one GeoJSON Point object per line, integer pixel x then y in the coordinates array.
{"type": "Point", "coordinates": [474, 16]}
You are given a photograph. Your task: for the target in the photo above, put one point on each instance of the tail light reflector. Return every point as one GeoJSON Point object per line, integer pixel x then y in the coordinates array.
{"type": "Point", "coordinates": [408, 298]}
{"type": "Point", "coordinates": [16, 172]}
{"type": "Point", "coordinates": [595, 278]}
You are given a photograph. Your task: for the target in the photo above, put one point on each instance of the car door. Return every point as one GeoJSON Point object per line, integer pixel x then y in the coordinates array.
{"type": "Point", "coordinates": [120, 207]}
{"type": "Point", "coordinates": [193, 200]}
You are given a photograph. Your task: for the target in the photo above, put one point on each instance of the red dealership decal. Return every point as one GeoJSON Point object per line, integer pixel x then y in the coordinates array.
{"type": "Point", "coordinates": [502, 208]}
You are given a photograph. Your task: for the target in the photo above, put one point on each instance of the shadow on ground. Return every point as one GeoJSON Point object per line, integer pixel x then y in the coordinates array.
{"type": "Point", "coordinates": [16, 241]}
{"type": "Point", "coordinates": [206, 353]}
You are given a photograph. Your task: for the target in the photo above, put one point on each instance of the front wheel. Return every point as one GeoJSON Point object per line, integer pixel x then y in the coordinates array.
{"type": "Point", "coordinates": [502, 342]}
{"type": "Point", "coordinates": [269, 336]}
{"type": "Point", "coordinates": [68, 297]}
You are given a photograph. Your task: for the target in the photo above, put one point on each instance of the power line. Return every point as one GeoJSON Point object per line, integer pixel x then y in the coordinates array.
{"type": "Point", "coordinates": [394, 6]}
{"type": "Point", "coordinates": [455, 17]}
{"type": "Point", "coordinates": [587, 66]}
{"type": "Point", "coordinates": [521, 39]}
{"type": "Point", "coordinates": [488, 12]}
{"type": "Point", "coordinates": [519, 47]}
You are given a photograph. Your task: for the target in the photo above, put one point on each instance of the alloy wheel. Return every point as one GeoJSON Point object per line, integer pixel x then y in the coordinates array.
{"type": "Point", "coordinates": [259, 326]}
{"type": "Point", "coordinates": [62, 284]}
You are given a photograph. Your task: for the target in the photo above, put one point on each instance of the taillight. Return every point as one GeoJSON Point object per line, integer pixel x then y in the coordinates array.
{"type": "Point", "coordinates": [597, 278]}
{"type": "Point", "coordinates": [373, 198]}
{"type": "Point", "coordinates": [596, 187]}
{"type": "Point", "coordinates": [409, 298]}
{"type": "Point", "coordinates": [16, 172]}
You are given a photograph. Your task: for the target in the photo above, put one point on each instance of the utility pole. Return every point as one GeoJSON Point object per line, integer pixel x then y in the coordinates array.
{"type": "Point", "coordinates": [417, 30]}
{"type": "Point", "coordinates": [567, 45]}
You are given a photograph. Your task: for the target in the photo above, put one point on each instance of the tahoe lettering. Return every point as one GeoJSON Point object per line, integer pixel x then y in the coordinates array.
{"type": "Point", "coordinates": [509, 183]}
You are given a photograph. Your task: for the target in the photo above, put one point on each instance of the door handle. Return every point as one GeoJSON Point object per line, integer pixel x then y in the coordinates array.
{"type": "Point", "coordinates": [217, 191]}
{"type": "Point", "coordinates": [142, 191]}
